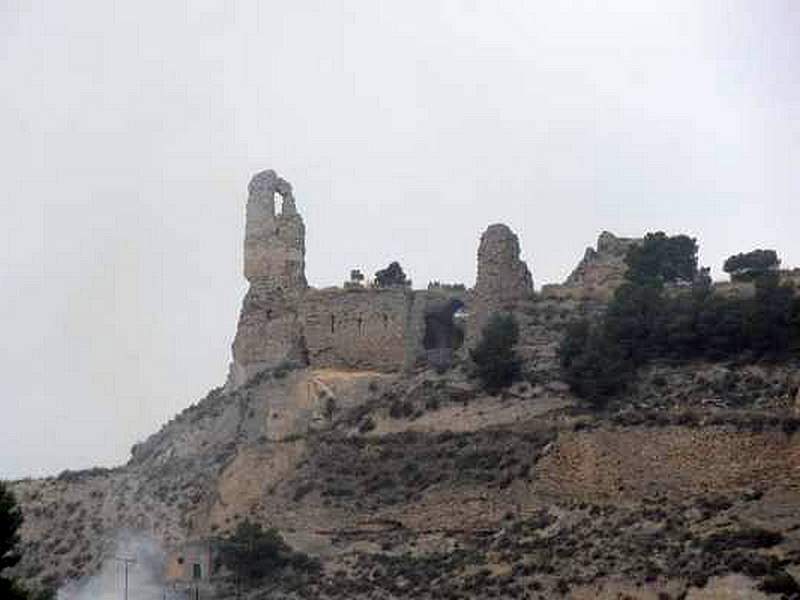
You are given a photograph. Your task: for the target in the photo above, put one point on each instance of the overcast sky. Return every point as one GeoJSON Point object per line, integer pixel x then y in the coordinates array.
{"type": "Point", "coordinates": [129, 131]}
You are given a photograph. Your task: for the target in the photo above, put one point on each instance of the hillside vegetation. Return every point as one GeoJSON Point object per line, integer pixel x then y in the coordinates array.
{"type": "Point", "coordinates": [642, 448]}
{"type": "Point", "coordinates": [668, 310]}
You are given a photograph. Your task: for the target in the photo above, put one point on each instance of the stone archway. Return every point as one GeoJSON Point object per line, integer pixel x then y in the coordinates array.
{"type": "Point", "coordinates": [444, 334]}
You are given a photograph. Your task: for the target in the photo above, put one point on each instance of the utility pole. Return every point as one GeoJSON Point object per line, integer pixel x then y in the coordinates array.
{"type": "Point", "coordinates": [127, 561]}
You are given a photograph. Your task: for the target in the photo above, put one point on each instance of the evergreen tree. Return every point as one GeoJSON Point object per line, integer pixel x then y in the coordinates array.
{"type": "Point", "coordinates": [661, 258]}
{"type": "Point", "coordinates": [495, 358]}
{"type": "Point", "coordinates": [10, 522]}
{"type": "Point", "coordinates": [253, 553]}
{"type": "Point", "coordinates": [393, 275]}
{"type": "Point", "coordinates": [748, 266]}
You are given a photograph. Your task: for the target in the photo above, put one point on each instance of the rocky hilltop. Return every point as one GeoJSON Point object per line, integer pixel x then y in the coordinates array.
{"type": "Point", "coordinates": [350, 423]}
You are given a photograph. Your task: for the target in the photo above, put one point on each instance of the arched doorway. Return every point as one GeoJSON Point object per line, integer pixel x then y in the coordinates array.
{"type": "Point", "coordinates": [444, 334]}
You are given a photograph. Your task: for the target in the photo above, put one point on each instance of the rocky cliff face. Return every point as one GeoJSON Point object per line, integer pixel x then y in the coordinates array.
{"type": "Point", "coordinates": [602, 270]}
{"type": "Point", "coordinates": [404, 480]}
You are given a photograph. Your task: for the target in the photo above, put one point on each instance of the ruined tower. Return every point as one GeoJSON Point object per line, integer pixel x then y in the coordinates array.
{"type": "Point", "coordinates": [274, 244]}
{"type": "Point", "coordinates": [269, 331]}
{"type": "Point", "coordinates": [503, 278]}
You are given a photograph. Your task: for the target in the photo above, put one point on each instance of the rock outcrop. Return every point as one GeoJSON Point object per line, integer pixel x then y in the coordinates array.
{"type": "Point", "coordinates": [599, 272]}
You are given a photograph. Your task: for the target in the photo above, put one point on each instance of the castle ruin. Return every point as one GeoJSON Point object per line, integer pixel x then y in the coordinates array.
{"type": "Point", "coordinates": [285, 321]}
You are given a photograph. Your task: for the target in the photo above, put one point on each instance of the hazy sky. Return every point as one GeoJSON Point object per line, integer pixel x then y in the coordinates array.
{"type": "Point", "coordinates": [129, 130]}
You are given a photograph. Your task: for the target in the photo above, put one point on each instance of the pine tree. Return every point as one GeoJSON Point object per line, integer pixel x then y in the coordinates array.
{"type": "Point", "coordinates": [10, 522]}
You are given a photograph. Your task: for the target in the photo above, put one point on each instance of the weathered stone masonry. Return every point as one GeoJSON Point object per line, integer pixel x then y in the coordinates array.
{"type": "Point", "coordinates": [283, 320]}
{"type": "Point", "coordinates": [504, 280]}
{"type": "Point", "coordinates": [269, 330]}
{"type": "Point", "coordinates": [357, 328]}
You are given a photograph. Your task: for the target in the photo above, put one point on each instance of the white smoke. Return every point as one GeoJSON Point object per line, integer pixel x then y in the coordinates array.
{"type": "Point", "coordinates": [145, 573]}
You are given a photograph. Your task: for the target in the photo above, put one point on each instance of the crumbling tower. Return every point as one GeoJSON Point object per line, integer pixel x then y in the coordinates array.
{"type": "Point", "coordinates": [503, 281]}
{"type": "Point", "coordinates": [274, 244]}
{"type": "Point", "coordinates": [269, 331]}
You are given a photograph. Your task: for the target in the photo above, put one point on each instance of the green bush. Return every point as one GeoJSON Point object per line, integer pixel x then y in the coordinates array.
{"type": "Point", "coordinates": [750, 538]}
{"type": "Point", "coordinates": [10, 522]}
{"type": "Point", "coordinates": [391, 276]}
{"type": "Point", "coordinates": [10, 590]}
{"type": "Point", "coordinates": [401, 409]}
{"type": "Point", "coordinates": [495, 357]}
{"type": "Point", "coordinates": [594, 367]}
{"type": "Point", "coordinates": [366, 425]}
{"type": "Point", "coordinates": [751, 265]}
{"type": "Point", "coordinates": [661, 258]}
{"type": "Point", "coordinates": [253, 554]}
{"type": "Point", "coordinates": [645, 322]}
{"type": "Point", "coordinates": [780, 582]}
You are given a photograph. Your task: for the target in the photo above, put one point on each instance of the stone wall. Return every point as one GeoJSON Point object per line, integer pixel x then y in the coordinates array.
{"type": "Point", "coordinates": [192, 562]}
{"type": "Point", "coordinates": [269, 333]}
{"type": "Point", "coordinates": [363, 328]}
{"type": "Point", "coordinates": [381, 329]}
{"type": "Point", "coordinates": [283, 320]}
